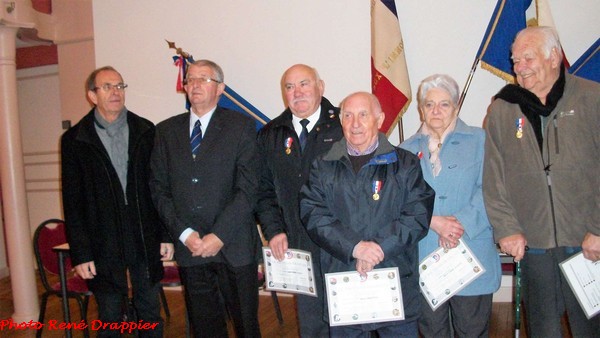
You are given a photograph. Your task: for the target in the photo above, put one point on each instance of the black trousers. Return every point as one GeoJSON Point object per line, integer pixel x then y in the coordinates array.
{"type": "Point", "coordinates": [470, 317]}
{"type": "Point", "coordinates": [310, 310]}
{"type": "Point", "coordinates": [145, 300]}
{"type": "Point", "coordinates": [394, 330]}
{"type": "Point", "coordinates": [214, 289]}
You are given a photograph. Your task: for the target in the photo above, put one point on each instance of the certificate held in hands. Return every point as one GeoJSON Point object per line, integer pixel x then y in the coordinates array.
{"type": "Point", "coordinates": [294, 274]}
{"type": "Point", "coordinates": [354, 300]}
{"type": "Point", "coordinates": [445, 272]}
{"type": "Point", "coordinates": [583, 277]}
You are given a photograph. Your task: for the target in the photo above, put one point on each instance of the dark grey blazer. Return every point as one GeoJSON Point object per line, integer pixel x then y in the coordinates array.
{"type": "Point", "coordinates": [216, 192]}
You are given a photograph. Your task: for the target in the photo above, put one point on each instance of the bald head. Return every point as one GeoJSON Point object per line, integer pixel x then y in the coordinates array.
{"type": "Point", "coordinates": [361, 118]}
{"type": "Point", "coordinates": [303, 89]}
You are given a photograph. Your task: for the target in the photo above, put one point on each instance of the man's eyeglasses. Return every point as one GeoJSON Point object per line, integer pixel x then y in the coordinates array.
{"type": "Point", "coordinates": [107, 87]}
{"type": "Point", "coordinates": [199, 80]}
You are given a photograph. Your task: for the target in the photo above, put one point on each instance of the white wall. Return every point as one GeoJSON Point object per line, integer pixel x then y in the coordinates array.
{"type": "Point", "coordinates": [256, 40]}
{"type": "Point", "coordinates": [40, 118]}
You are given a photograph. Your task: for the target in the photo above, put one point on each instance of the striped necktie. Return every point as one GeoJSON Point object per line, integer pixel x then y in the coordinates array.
{"type": "Point", "coordinates": [196, 138]}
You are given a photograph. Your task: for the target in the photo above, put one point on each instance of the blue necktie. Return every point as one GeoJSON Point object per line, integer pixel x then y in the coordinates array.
{"type": "Point", "coordinates": [196, 138]}
{"type": "Point", "coordinates": [304, 134]}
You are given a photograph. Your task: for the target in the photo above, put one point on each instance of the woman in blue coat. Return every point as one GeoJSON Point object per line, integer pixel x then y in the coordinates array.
{"type": "Point", "coordinates": [451, 155]}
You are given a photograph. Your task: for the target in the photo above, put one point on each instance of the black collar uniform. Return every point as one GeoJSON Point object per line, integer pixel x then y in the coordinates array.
{"type": "Point", "coordinates": [284, 170]}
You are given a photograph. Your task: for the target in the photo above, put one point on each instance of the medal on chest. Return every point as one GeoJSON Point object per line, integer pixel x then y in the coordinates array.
{"type": "Point", "coordinates": [520, 122]}
{"type": "Point", "coordinates": [288, 145]}
{"type": "Point", "coordinates": [376, 189]}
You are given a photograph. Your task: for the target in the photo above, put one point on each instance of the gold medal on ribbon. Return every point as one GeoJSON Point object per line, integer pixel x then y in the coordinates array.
{"type": "Point", "coordinates": [520, 122]}
{"type": "Point", "coordinates": [288, 145]}
{"type": "Point", "coordinates": [376, 189]}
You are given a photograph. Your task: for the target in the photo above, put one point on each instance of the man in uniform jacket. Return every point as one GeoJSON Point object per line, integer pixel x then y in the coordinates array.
{"type": "Point", "coordinates": [285, 166]}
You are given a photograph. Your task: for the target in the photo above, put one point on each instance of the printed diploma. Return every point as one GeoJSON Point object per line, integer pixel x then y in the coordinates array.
{"type": "Point", "coordinates": [294, 274]}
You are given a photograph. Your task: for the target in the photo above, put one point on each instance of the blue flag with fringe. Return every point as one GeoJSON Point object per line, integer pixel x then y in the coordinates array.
{"type": "Point", "coordinates": [494, 52]}
{"type": "Point", "coordinates": [588, 65]}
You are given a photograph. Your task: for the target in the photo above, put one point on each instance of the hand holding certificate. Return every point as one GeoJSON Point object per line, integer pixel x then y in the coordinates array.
{"type": "Point", "coordinates": [583, 276]}
{"type": "Point", "coordinates": [294, 274]}
{"type": "Point", "coordinates": [445, 272]}
{"type": "Point", "coordinates": [355, 300]}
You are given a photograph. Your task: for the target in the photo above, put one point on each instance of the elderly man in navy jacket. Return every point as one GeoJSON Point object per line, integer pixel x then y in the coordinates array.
{"type": "Point", "coordinates": [367, 206]}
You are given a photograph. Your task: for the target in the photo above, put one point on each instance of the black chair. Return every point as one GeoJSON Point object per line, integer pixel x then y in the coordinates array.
{"type": "Point", "coordinates": [49, 234]}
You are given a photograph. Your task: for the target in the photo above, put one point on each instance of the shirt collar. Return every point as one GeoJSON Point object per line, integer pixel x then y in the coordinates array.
{"type": "Point", "coordinates": [313, 118]}
{"type": "Point", "coordinates": [352, 151]}
{"type": "Point", "coordinates": [204, 120]}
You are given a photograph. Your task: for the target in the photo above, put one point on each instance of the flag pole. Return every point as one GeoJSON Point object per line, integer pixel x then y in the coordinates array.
{"type": "Point", "coordinates": [468, 84]}
{"type": "Point", "coordinates": [400, 130]}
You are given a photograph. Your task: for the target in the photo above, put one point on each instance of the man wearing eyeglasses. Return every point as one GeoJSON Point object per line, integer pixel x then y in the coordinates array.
{"type": "Point", "coordinates": [204, 182]}
{"type": "Point", "coordinates": [113, 228]}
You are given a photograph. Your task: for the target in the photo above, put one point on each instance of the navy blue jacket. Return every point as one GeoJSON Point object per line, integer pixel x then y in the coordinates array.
{"type": "Point", "coordinates": [339, 211]}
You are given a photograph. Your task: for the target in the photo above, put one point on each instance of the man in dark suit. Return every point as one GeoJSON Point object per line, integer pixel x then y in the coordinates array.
{"type": "Point", "coordinates": [204, 181]}
{"type": "Point", "coordinates": [286, 164]}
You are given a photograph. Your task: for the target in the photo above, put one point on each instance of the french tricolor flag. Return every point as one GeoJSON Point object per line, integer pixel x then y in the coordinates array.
{"type": "Point", "coordinates": [389, 74]}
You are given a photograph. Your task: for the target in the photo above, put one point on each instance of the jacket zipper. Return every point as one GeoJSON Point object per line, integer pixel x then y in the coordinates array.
{"type": "Point", "coordinates": [549, 179]}
{"type": "Point", "coordinates": [138, 210]}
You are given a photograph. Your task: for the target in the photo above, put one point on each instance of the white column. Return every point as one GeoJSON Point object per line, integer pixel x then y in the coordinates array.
{"type": "Point", "coordinates": [14, 197]}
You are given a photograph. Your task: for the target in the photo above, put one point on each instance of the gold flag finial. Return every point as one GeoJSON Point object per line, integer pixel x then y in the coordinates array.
{"type": "Point", "coordinates": [178, 50]}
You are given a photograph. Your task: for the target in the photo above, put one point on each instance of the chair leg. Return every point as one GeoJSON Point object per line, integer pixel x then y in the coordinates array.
{"type": "Point", "coordinates": [163, 299]}
{"type": "Point", "coordinates": [42, 314]}
{"type": "Point", "coordinates": [83, 311]}
{"type": "Point", "coordinates": [82, 302]}
{"type": "Point", "coordinates": [188, 326]}
{"type": "Point", "coordinates": [277, 308]}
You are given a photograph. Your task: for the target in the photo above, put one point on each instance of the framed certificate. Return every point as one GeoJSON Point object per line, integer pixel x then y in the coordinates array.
{"type": "Point", "coordinates": [445, 272]}
{"type": "Point", "coordinates": [355, 300]}
{"type": "Point", "coordinates": [583, 276]}
{"type": "Point", "coordinates": [294, 274]}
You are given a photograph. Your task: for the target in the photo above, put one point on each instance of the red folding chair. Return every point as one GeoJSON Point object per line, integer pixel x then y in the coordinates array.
{"type": "Point", "coordinates": [48, 235]}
